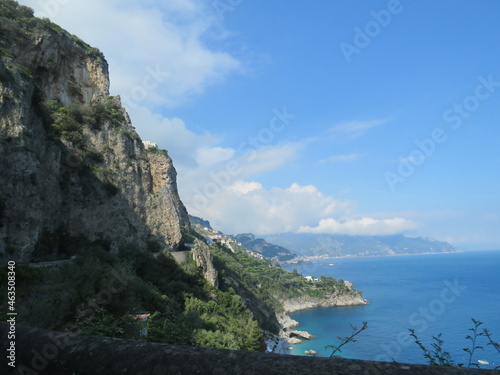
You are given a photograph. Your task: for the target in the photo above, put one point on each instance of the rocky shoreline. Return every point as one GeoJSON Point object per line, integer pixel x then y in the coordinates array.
{"type": "Point", "coordinates": [288, 336]}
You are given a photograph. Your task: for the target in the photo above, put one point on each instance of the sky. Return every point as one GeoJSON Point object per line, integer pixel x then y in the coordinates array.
{"type": "Point", "coordinates": [341, 117]}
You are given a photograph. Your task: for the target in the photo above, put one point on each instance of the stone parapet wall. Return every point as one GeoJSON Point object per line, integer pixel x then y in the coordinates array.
{"type": "Point", "coordinates": [55, 353]}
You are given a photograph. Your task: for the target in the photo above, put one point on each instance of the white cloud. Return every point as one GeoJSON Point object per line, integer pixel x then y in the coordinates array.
{"type": "Point", "coordinates": [212, 155]}
{"type": "Point", "coordinates": [265, 211]}
{"type": "Point", "coordinates": [243, 187]}
{"type": "Point", "coordinates": [365, 226]}
{"type": "Point", "coordinates": [309, 189]}
{"type": "Point", "coordinates": [213, 180]}
{"type": "Point", "coordinates": [298, 208]}
{"type": "Point", "coordinates": [268, 158]}
{"type": "Point", "coordinates": [356, 128]}
{"type": "Point", "coordinates": [172, 134]}
{"type": "Point", "coordinates": [140, 37]}
{"type": "Point", "coordinates": [342, 158]}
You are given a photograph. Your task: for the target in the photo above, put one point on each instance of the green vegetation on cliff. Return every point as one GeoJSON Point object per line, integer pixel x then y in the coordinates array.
{"type": "Point", "coordinates": [69, 122]}
{"type": "Point", "coordinates": [17, 22]}
{"type": "Point", "coordinates": [102, 293]}
{"type": "Point", "coordinates": [266, 286]}
{"type": "Point", "coordinates": [271, 283]}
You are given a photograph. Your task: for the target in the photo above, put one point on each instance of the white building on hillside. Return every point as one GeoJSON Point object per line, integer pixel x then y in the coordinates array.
{"type": "Point", "coordinates": [148, 144]}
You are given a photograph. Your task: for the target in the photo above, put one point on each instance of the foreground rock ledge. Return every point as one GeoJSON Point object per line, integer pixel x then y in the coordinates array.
{"type": "Point", "coordinates": [55, 353]}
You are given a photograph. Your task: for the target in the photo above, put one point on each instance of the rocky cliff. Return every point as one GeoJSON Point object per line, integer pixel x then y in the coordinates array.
{"type": "Point", "coordinates": [70, 160]}
{"type": "Point", "coordinates": [203, 258]}
{"type": "Point", "coordinates": [307, 302]}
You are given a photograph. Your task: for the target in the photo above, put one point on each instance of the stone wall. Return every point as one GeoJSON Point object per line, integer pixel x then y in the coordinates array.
{"type": "Point", "coordinates": [55, 353]}
{"type": "Point", "coordinates": [181, 256]}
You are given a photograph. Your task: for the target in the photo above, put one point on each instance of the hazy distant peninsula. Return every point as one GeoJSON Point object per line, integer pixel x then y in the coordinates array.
{"type": "Point", "coordinates": [297, 247]}
{"type": "Point", "coordinates": [324, 245]}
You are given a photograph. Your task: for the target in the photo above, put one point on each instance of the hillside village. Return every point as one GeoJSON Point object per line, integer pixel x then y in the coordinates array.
{"type": "Point", "coordinates": [211, 235]}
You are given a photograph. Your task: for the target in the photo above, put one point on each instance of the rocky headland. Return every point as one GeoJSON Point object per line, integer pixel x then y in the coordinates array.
{"type": "Point", "coordinates": [305, 302]}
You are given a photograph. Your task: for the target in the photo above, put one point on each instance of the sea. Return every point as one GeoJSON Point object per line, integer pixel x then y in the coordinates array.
{"type": "Point", "coordinates": [432, 294]}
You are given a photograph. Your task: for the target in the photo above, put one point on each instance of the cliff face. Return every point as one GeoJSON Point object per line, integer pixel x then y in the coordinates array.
{"type": "Point", "coordinates": [203, 258]}
{"type": "Point", "coordinates": [70, 159]}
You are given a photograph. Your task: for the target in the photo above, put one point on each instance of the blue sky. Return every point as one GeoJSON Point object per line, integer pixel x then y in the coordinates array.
{"type": "Point", "coordinates": [348, 116]}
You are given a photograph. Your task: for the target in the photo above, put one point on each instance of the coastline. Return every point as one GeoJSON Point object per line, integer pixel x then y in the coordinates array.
{"type": "Point", "coordinates": [287, 335]}
{"type": "Point", "coordinates": [326, 256]}
{"type": "Point", "coordinates": [286, 338]}
{"type": "Point", "coordinates": [385, 283]}
{"type": "Point", "coordinates": [282, 343]}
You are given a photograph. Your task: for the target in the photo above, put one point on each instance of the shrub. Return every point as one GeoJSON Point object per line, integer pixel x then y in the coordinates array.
{"type": "Point", "coordinates": [107, 111]}
{"type": "Point", "coordinates": [66, 122]}
{"type": "Point", "coordinates": [153, 246]}
{"type": "Point", "coordinates": [156, 150]}
{"type": "Point", "coordinates": [69, 122]}
{"type": "Point", "coordinates": [437, 356]}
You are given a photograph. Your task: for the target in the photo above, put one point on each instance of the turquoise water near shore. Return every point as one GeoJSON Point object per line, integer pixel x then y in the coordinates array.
{"type": "Point", "coordinates": [432, 294]}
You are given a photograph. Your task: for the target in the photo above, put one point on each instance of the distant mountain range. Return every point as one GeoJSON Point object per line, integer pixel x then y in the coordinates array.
{"type": "Point", "coordinates": [288, 246]}
{"type": "Point", "coordinates": [306, 244]}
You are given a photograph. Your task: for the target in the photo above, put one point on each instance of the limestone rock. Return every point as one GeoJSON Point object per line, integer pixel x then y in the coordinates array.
{"type": "Point", "coordinates": [294, 341]}
{"type": "Point", "coordinates": [302, 334]}
{"type": "Point", "coordinates": [286, 322]}
{"type": "Point", "coordinates": [203, 258]}
{"type": "Point", "coordinates": [105, 186]}
{"type": "Point", "coordinates": [307, 302]}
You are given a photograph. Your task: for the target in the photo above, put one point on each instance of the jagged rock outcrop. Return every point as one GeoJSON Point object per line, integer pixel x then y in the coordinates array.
{"type": "Point", "coordinates": [203, 258]}
{"type": "Point", "coordinates": [166, 215]}
{"type": "Point", "coordinates": [81, 170]}
{"type": "Point", "coordinates": [307, 302]}
{"type": "Point", "coordinates": [302, 334]}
